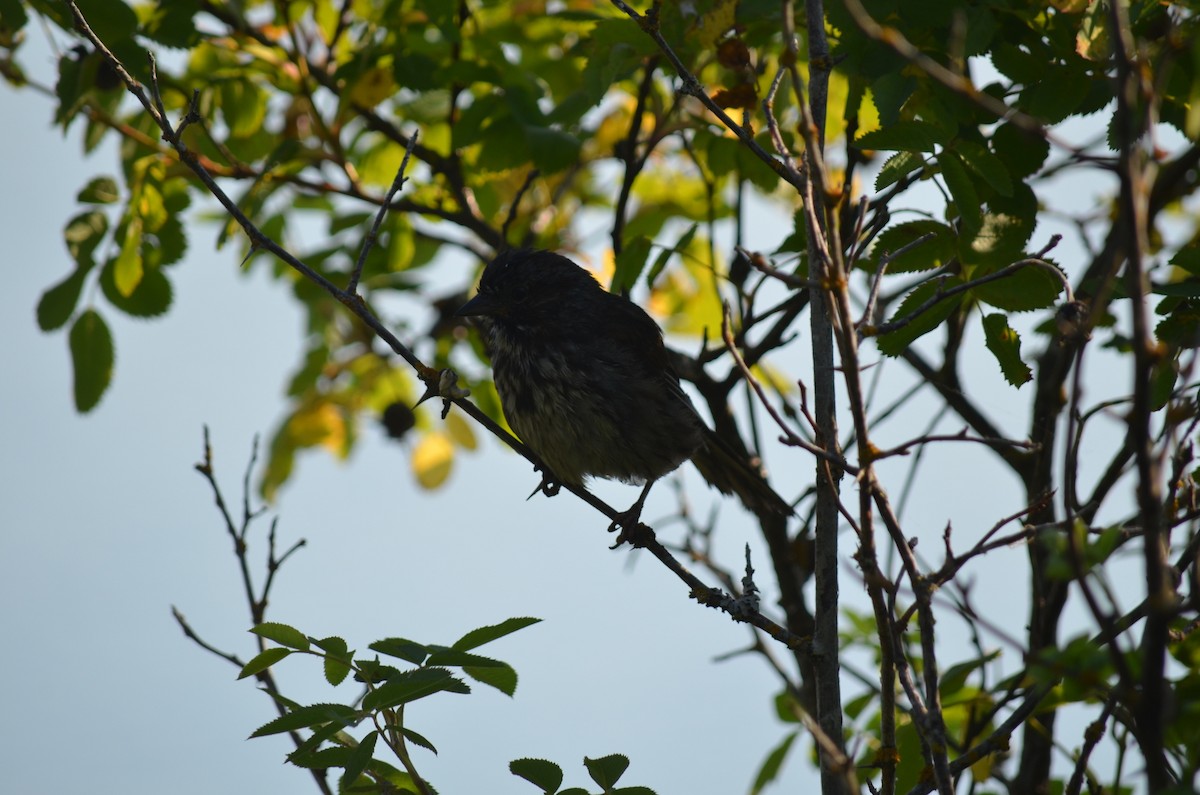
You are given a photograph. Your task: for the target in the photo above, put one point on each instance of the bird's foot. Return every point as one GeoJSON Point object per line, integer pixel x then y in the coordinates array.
{"type": "Point", "coordinates": [549, 486]}
{"type": "Point", "coordinates": [632, 531]}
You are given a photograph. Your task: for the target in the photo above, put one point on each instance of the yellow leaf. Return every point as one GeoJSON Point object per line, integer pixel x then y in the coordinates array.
{"type": "Point", "coordinates": [714, 24]}
{"type": "Point", "coordinates": [432, 460]}
{"type": "Point", "coordinates": [460, 431]}
{"type": "Point", "coordinates": [318, 424]}
{"type": "Point", "coordinates": [372, 87]}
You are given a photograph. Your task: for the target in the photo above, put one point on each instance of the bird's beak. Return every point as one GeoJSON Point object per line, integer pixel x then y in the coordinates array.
{"type": "Point", "coordinates": [481, 304]}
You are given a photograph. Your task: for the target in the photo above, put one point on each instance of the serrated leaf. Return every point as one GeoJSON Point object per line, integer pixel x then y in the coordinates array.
{"type": "Point", "coordinates": [986, 166]}
{"type": "Point", "coordinates": [896, 167]}
{"type": "Point", "coordinates": [893, 343]}
{"type": "Point", "coordinates": [151, 298]}
{"type": "Point", "coordinates": [771, 766]}
{"type": "Point", "coordinates": [541, 773]}
{"type": "Point", "coordinates": [264, 660]}
{"type": "Point", "coordinates": [92, 358]}
{"type": "Point", "coordinates": [1025, 290]}
{"type": "Point", "coordinates": [502, 677]}
{"type": "Point", "coordinates": [432, 460]}
{"type": "Point", "coordinates": [360, 757]}
{"type": "Point", "coordinates": [456, 658]}
{"type": "Point", "coordinates": [933, 253]}
{"type": "Point", "coordinates": [478, 637]}
{"type": "Point", "coordinates": [57, 303]}
{"type": "Point", "coordinates": [310, 717]}
{"type": "Point", "coordinates": [412, 685]}
{"type": "Point", "coordinates": [405, 649]}
{"type": "Point", "coordinates": [1005, 345]}
{"type": "Point", "coordinates": [962, 191]}
{"type": "Point", "coordinates": [282, 634]}
{"type": "Point", "coordinates": [907, 136]}
{"type": "Point", "coordinates": [337, 659]}
{"type": "Point", "coordinates": [101, 190]}
{"type": "Point", "coordinates": [607, 770]}
{"type": "Point", "coordinates": [418, 739]}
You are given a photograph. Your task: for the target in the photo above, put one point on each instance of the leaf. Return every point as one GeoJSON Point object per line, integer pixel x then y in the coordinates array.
{"type": "Point", "coordinates": [985, 165]}
{"type": "Point", "coordinates": [151, 298]}
{"type": "Point", "coordinates": [898, 166]}
{"type": "Point", "coordinates": [478, 637]}
{"type": "Point", "coordinates": [264, 660]}
{"type": "Point", "coordinates": [1005, 345]}
{"type": "Point", "coordinates": [962, 191]}
{"type": "Point", "coordinates": [418, 739]}
{"type": "Point", "coordinates": [956, 675]}
{"type": "Point", "coordinates": [403, 648]}
{"type": "Point", "coordinates": [460, 431]}
{"type": "Point", "coordinates": [502, 677]}
{"type": "Point", "coordinates": [541, 773]}
{"type": "Point", "coordinates": [629, 266]}
{"type": "Point", "coordinates": [57, 303]}
{"type": "Point", "coordinates": [127, 267]}
{"type": "Point", "coordinates": [92, 358]}
{"type": "Point", "coordinates": [1025, 290]}
{"type": "Point", "coordinates": [282, 634]}
{"type": "Point", "coordinates": [359, 759]}
{"type": "Point", "coordinates": [101, 190]}
{"type": "Point", "coordinates": [771, 766]}
{"type": "Point", "coordinates": [551, 150]}
{"type": "Point", "coordinates": [607, 770]}
{"type": "Point", "coordinates": [432, 460]}
{"type": "Point", "coordinates": [412, 685]}
{"type": "Point", "coordinates": [933, 253]}
{"type": "Point", "coordinates": [83, 234]}
{"type": "Point", "coordinates": [310, 717]}
{"type": "Point", "coordinates": [1022, 153]}
{"type": "Point", "coordinates": [337, 659]}
{"type": "Point", "coordinates": [907, 136]}
{"type": "Point", "coordinates": [893, 343]}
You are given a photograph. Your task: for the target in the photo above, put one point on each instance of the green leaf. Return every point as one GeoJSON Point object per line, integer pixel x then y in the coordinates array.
{"type": "Point", "coordinates": [630, 263]}
{"type": "Point", "coordinates": [57, 303]}
{"type": "Point", "coordinates": [418, 739]}
{"type": "Point", "coordinates": [956, 675]}
{"type": "Point", "coordinates": [408, 650]}
{"type": "Point", "coordinates": [151, 298]}
{"type": "Point", "coordinates": [962, 191]}
{"type": "Point", "coordinates": [101, 190]}
{"type": "Point", "coordinates": [1005, 345]}
{"type": "Point", "coordinates": [986, 166]}
{"type": "Point", "coordinates": [545, 775]}
{"type": "Point", "coordinates": [282, 634]}
{"type": "Point", "coordinates": [1025, 290]}
{"type": "Point", "coordinates": [92, 358]}
{"type": "Point", "coordinates": [110, 20]}
{"type": "Point", "coordinates": [771, 766]}
{"type": "Point", "coordinates": [503, 678]}
{"type": "Point", "coordinates": [933, 253]}
{"type": "Point", "coordinates": [264, 660]}
{"type": "Point", "coordinates": [83, 234]}
{"type": "Point", "coordinates": [893, 343]}
{"type": "Point", "coordinates": [478, 637]}
{"type": "Point", "coordinates": [359, 759]}
{"type": "Point", "coordinates": [244, 105]}
{"type": "Point", "coordinates": [664, 256]}
{"type": "Point", "coordinates": [551, 150]}
{"type": "Point", "coordinates": [311, 717]}
{"type": "Point", "coordinates": [337, 659]}
{"type": "Point", "coordinates": [1021, 153]}
{"type": "Point", "coordinates": [1006, 228]}
{"type": "Point", "coordinates": [413, 685]}
{"type": "Point", "coordinates": [906, 136]}
{"type": "Point", "coordinates": [607, 770]}
{"type": "Point", "coordinates": [898, 166]}
{"type": "Point", "coordinates": [128, 267]}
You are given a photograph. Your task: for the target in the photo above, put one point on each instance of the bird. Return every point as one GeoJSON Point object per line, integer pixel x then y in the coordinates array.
{"type": "Point", "coordinates": [585, 382]}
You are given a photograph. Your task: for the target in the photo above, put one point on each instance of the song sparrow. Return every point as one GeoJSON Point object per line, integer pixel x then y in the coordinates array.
{"type": "Point", "coordinates": [584, 380]}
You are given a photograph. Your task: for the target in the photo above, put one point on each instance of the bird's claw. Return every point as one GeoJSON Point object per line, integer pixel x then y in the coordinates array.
{"type": "Point", "coordinates": [549, 486]}
{"type": "Point", "coordinates": [632, 531]}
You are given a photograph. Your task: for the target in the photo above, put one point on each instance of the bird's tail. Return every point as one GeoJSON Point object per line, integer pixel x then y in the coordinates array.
{"type": "Point", "coordinates": [730, 473]}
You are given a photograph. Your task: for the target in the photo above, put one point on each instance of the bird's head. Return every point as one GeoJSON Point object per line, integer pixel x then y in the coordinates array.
{"type": "Point", "coordinates": [527, 285]}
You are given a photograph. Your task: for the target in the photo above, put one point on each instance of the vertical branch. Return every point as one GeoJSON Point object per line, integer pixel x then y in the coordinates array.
{"type": "Point", "coordinates": [1134, 172]}
{"type": "Point", "coordinates": [825, 641]}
